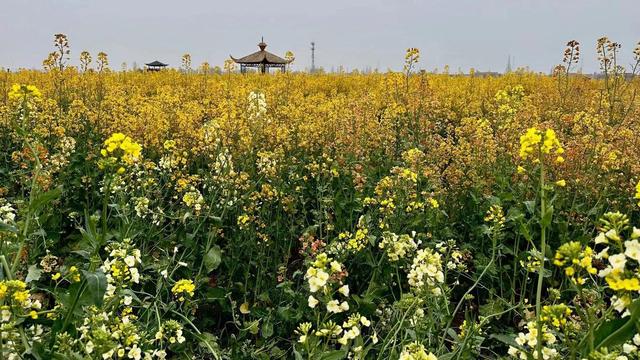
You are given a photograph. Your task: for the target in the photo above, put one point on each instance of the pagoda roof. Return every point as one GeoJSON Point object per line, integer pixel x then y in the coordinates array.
{"type": "Point", "coordinates": [261, 57]}
{"type": "Point", "coordinates": [156, 63]}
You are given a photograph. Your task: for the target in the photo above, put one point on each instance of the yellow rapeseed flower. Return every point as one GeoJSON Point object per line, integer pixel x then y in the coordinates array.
{"type": "Point", "coordinates": [19, 91]}
{"type": "Point", "coordinates": [534, 141]}
{"type": "Point", "coordinates": [434, 203]}
{"type": "Point", "coordinates": [21, 296]}
{"type": "Point", "coordinates": [528, 142]}
{"type": "Point", "coordinates": [618, 283]}
{"type": "Point", "coordinates": [183, 287]}
{"type": "Point", "coordinates": [119, 148]}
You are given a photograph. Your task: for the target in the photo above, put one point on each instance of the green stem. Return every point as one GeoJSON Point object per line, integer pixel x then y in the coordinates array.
{"type": "Point", "coordinates": [105, 204]}
{"type": "Point", "coordinates": [543, 244]}
{"type": "Point", "coordinates": [8, 274]}
{"type": "Point", "coordinates": [32, 190]}
{"type": "Point", "coordinates": [484, 271]}
{"type": "Point", "coordinates": [397, 328]}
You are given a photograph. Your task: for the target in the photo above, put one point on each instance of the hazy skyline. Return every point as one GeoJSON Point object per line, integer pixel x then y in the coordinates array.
{"type": "Point", "coordinates": [354, 34]}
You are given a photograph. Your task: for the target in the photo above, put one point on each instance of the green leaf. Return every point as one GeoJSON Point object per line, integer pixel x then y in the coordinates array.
{"type": "Point", "coordinates": [618, 331]}
{"type": "Point", "coordinates": [296, 354]}
{"type": "Point", "coordinates": [547, 216]}
{"type": "Point", "coordinates": [91, 241]}
{"type": "Point", "coordinates": [506, 339]}
{"type": "Point", "coordinates": [215, 293]}
{"type": "Point", "coordinates": [33, 274]}
{"type": "Point", "coordinates": [95, 288]}
{"type": "Point", "coordinates": [216, 219]}
{"type": "Point", "coordinates": [267, 329]}
{"type": "Point", "coordinates": [83, 253]}
{"type": "Point", "coordinates": [524, 231]}
{"type": "Point", "coordinates": [45, 198]}
{"type": "Point", "coordinates": [452, 333]}
{"type": "Point", "coordinates": [8, 228]}
{"type": "Point", "coordinates": [213, 258]}
{"type": "Point", "coordinates": [253, 327]}
{"type": "Point", "coordinates": [333, 355]}
{"type": "Point", "coordinates": [89, 291]}
{"type": "Point", "coordinates": [209, 343]}
{"type": "Point", "coordinates": [38, 351]}
{"type": "Point", "coordinates": [531, 206]}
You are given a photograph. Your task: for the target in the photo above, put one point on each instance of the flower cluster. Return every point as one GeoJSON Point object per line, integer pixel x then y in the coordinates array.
{"type": "Point", "coordinates": [406, 194]}
{"type": "Point", "coordinates": [351, 332]}
{"type": "Point", "coordinates": [119, 150]}
{"type": "Point", "coordinates": [637, 196]}
{"type": "Point", "coordinates": [303, 331]}
{"type": "Point", "coordinates": [397, 247]}
{"type": "Point", "coordinates": [7, 212]}
{"type": "Point", "coordinates": [21, 91]}
{"type": "Point", "coordinates": [416, 351]}
{"type": "Point", "coordinates": [193, 199]}
{"type": "Point", "coordinates": [16, 299]}
{"type": "Point", "coordinates": [352, 326]}
{"type": "Point", "coordinates": [411, 57]}
{"type": "Point", "coordinates": [622, 274]}
{"type": "Point", "coordinates": [170, 331]}
{"type": "Point", "coordinates": [172, 159]}
{"type": "Point", "coordinates": [183, 289]}
{"type": "Point", "coordinates": [356, 242]}
{"type": "Point", "coordinates": [108, 334]}
{"type": "Point", "coordinates": [65, 146]}
{"type": "Point", "coordinates": [535, 143]}
{"type": "Point", "coordinates": [141, 206]}
{"type": "Point", "coordinates": [324, 276]}
{"type": "Point", "coordinates": [16, 305]}
{"type": "Point", "coordinates": [72, 274]}
{"type": "Point", "coordinates": [257, 104]}
{"type": "Point", "coordinates": [555, 315]}
{"type": "Point", "coordinates": [319, 272]}
{"type": "Point", "coordinates": [426, 272]}
{"type": "Point", "coordinates": [267, 164]}
{"type": "Point", "coordinates": [121, 267]}
{"type": "Point", "coordinates": [631, 349]}
{"type": "Point", "coordinates": [576, 261]}
{"type": "Point", "coordinates": [528, 142]}
{"type": "Point", "coordinates": [528, 343]}
{"type": "Point", "coordinates": [509, 100]}
{"type": "Point", "coordinates": [455, 258]}
{"type": "Point", "coordinates": [495, 217]}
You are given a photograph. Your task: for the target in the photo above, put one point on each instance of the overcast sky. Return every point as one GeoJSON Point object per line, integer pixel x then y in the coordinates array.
{"type": "Point", "coordinates": [351, 33]}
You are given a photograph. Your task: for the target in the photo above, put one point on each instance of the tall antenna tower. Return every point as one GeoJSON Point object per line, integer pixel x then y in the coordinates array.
{"type": "Point", "coordinates": [313, 56]}
{"type": "Point", "coordinates": [508, 70]}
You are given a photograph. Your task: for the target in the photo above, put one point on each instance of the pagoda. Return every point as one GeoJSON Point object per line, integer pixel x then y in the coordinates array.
{"type": "Point", "coordinates": [263, 60]}
{"type": "Point", "coordinates": [156, 66]}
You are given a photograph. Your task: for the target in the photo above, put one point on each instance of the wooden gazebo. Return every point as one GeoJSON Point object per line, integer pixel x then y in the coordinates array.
{"type": "Point", "coordinates": [263, 60]}
{"type": "Point", "coordinates": [156, 66]}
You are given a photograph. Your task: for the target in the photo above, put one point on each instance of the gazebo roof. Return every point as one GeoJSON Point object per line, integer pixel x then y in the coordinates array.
{"type": "Point", "coordinates": [156, 63]}
{"type": "Point", "coordinates": [261, 57]}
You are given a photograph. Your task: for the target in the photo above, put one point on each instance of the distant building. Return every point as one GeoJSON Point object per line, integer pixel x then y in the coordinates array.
{"type": "Point", "coordinates": [156, 66]}
{"type": "Point", "coordinates": [262, 60]}
{"type": "Point", "coordinates": [486, 74]}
